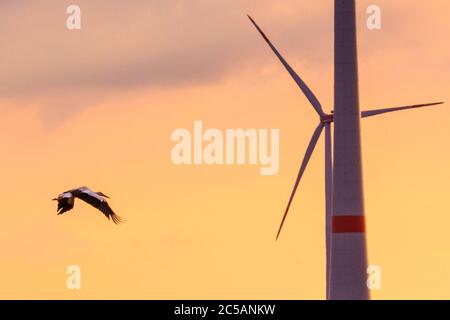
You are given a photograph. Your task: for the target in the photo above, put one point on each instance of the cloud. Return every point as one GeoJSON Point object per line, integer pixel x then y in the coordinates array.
{"type": "Point", "coordinates": [153, 44]}
{"type": "Point", "coordinates": [134, 44]}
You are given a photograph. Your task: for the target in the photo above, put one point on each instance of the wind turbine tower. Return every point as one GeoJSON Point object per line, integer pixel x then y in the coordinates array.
{"type": "Point", "coordinates": [348, 240]}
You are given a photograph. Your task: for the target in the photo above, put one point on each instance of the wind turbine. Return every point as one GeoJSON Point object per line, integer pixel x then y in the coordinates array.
{"type": "Point", "coordinates": [345, 228]}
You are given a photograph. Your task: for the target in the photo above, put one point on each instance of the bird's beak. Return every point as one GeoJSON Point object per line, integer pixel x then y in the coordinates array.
{"type": "Point", "coordinates": [54, 199]}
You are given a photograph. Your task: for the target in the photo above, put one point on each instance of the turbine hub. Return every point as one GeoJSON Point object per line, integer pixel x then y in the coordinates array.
{"type": "Point", "coordinates": [328, 118]}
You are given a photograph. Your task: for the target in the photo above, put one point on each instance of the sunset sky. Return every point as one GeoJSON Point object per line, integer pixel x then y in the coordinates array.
{"type": "Point", "coordinates": [97, 107]}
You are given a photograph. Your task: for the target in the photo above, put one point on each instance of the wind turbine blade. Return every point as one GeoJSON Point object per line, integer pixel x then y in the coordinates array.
{"type": "Point", "coordinates": [370, 113]}
{"type": "Point", "coordinates": [309, 151]}
{"type": "Point", "coordinates": [308, 93]}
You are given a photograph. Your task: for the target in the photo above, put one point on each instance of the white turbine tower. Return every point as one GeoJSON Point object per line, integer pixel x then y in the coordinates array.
{"type": "Point", "coordinates": [344, 228]}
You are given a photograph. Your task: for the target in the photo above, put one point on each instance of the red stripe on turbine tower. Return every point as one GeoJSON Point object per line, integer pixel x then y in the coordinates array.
{"type": "Point", "coordinates": [348, 224]}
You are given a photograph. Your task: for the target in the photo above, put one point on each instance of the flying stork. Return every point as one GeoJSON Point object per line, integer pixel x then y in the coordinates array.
{"type": "Point", "coordinates": [66, 201]}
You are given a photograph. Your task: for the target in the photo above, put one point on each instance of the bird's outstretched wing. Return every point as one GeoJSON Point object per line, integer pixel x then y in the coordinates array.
{"type": "Point", "coordinates": [64, 205]}
{"type": "Point", "coordinates": [97, 202]}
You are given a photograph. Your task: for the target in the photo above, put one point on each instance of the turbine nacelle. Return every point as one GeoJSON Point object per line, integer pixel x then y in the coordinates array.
{"type": "Point", "coordinates": [327, 118]}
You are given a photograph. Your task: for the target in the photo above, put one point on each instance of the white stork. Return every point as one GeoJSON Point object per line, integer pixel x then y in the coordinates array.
{"type": "Point", "coordinates": [66, 201]}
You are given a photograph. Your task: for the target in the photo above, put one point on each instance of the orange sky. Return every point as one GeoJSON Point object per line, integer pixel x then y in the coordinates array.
{"type": "Point", "coordinates": [96, 107]}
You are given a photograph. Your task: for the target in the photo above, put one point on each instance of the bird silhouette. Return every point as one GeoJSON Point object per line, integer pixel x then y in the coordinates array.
{"type": "Point", "coordinates": [66, 201]}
